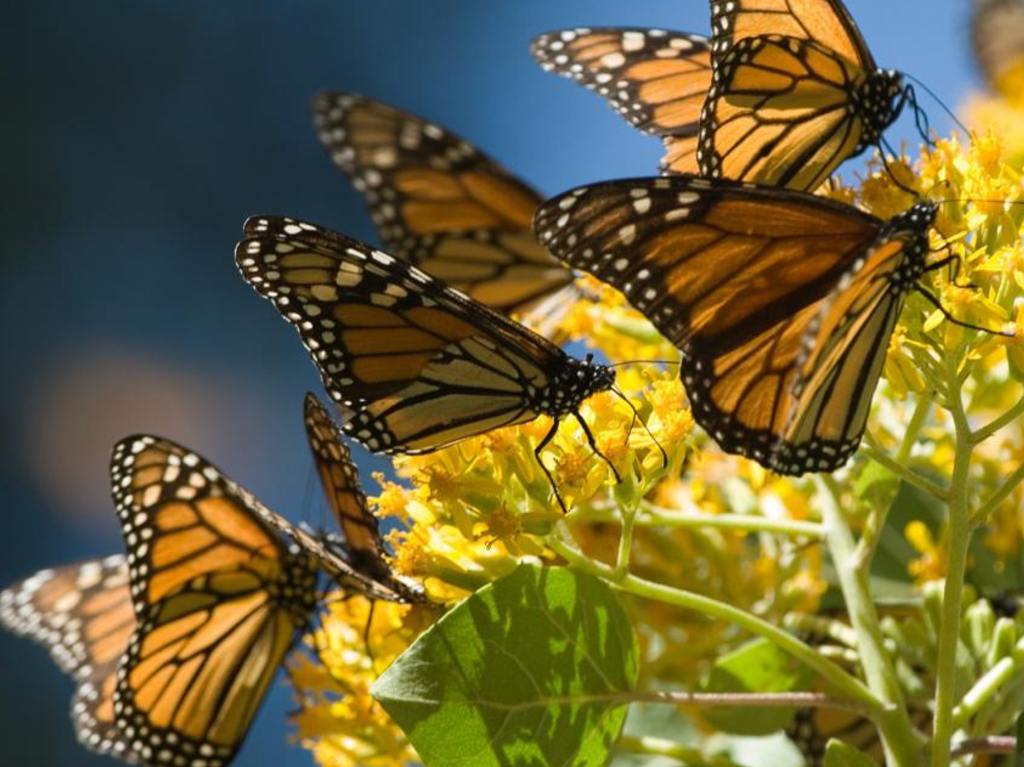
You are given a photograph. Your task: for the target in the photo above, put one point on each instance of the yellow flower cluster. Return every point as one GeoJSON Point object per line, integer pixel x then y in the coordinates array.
{"type": "Point", "coordinates": [470, 513]}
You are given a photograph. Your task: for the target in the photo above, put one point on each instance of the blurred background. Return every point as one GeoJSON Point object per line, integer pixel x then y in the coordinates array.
{"type": "Point", "coordinates": [138, 136]}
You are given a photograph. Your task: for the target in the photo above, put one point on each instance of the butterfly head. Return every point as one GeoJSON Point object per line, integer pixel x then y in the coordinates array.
{"type": "Point", "coordinates": [574, 383]}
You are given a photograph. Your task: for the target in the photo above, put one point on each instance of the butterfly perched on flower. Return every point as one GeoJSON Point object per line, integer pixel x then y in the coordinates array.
{"type": "Point", "coordinates": [795, 92]}
{"type": "Point", "coordinates": [997, 33]}
{"type": "Point", "coordinates": [174, 645]}
{"type": "Point", "coordinates": [781, 302]}
{"type": "Point", "coordinates": [440, 203]}
{"type": "Point", "coordinates": [413, 364]}
{"type": "Point", "coordinates": [782, 93]}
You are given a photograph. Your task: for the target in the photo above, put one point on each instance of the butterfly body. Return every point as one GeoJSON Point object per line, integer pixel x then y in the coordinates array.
{"type": "Point", "coordinates": [781, 303]}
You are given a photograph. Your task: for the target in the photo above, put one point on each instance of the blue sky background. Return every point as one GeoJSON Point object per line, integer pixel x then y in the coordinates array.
{"type": "Point", "coordinates": [136, 138]}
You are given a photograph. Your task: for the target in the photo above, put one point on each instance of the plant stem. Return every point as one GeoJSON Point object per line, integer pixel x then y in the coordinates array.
{"type": "Point", "coordinates": [1002, 421]}
{"type": "Point", "coordinates": [741, 699]}
{"type": "Point", "coordinates": [896, 729]}
{"type": "Point", "coordinates": [656, 516]}
{"type": "Point", "coordinates": [628, 516]}
{"type": "Point", "coordinates": [959, 537]}
{"type": "Point", "coordinates": [908, 475]}
{"type": "Point", "coordinates": [843, 683]}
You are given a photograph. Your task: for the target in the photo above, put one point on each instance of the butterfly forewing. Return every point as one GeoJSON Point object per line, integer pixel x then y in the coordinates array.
{"type": "Point", "coordinates": [363, 546]}
{"type": "Point", "coordinates": [83, 614]}
{"type": "Point", "coordinates": [826, 22]}
{"type": "Point", "coordinates": [439, 202]}
{"type": "Point", "coordinates": [218, 596]}
{"type": "Point", "coordinates": [656, 79]}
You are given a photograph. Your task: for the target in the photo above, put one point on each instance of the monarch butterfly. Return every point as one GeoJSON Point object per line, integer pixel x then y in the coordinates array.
{"type": "Point", "coordinates": [781, 302]}
{"type": "Point", "coordinates": [361, 546]}
{"type": "Point", "coordinates": [413, 364]}
{"type": "Point", "coordinates": [440, 203]}
{"type": "Point", "coordinates": [174, 645]}
{"type": "Point", "coordinates": [83, 614]}
{"type": "Point", "coordinates": [796, 91]}
{"type": "Point", "coordinates": [997, 30]}
{"type": "Point", "coordinates": [655, 78]}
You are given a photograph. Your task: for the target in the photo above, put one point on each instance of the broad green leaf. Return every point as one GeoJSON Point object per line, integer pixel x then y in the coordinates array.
{"type": "Point", "coordinates": [523, 672]}
{"type": "Point", "coordinates": [840, 754]}
{"type": "Point", "coordinates": [757, 666]}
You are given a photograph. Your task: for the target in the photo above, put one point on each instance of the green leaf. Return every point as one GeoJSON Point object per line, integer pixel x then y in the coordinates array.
{"type": "Point", "coordinates": [758, 666]}
{"type": "Point", "coordinates": [840, 754]}
{"type": "Point", "coordinates": [523, 672]}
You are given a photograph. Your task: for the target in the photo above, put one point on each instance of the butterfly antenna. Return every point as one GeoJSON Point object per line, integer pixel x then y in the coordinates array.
{"type": "Point", "coordinates": [636, 417]}
{"type": "Point", "coordinates": [938, 100]}
{"type": "Point", "coordinates": [885, 148]}
{"type": "Point", "coordinates": [536, 454]}
{"type": "Point", "coordinates": [643, 362]}
{"type": "Point", "coordinates": [934, 301]}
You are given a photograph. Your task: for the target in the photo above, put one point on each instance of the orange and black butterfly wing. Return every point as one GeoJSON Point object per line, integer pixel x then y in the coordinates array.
{"type": "Point", "coordinates": [826, 22]}
{"type": "Point", "coordinates": [413, 364]}
{"type": "Point", "coordinates": [796, 92]}
{"type": "Point", "coordinates": [737, 277]}
{"type": "Point", "coordinates": [655, 78]}
{"type": "Point", "coordinates": [845, 349]}
{"type": "Point", "coordinates": [780, 114]}
{"type": "Point", "coordinates": [83, 614]}
{"type": "Point", "coordinates": [218, 596]}
{"type": "Point", "coordinates": [439, 202]}
{"type": "Point", "coordinates": [363, 547]}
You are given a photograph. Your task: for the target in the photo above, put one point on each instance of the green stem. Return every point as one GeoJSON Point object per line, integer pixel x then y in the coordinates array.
{"type": "Point", "coordinates": [656, 516]}
{"type": "Point", "coordinates": [628, 517]}
{"type": "Point", "coordinates": [959, 536]}
{"type": "Point", "coordinates": [896, 729]}
{"type": "Point", "coordinates": [1000, 495]}
{"type": "Point", "coordinates": [843, 684]}
{"type": "Point", "coordinates": [903, 472]}
{"type": "Point", "coordinates": [1001, 422]}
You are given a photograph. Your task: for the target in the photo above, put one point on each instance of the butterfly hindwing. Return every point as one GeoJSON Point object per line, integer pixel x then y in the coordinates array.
{"type": "Point", "coordinates": [656, 79]}
{"type": "Point", "coordinates": [795, 92]}
{"type": "Point", "coordinates": [439, 202]}
{"type": "Point", "coordinates": [414, 365]}
{"type": "Point", "coordinates": [83, 614]}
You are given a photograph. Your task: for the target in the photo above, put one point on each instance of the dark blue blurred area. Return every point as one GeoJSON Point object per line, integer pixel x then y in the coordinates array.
{"type": "Point", "coordinates": [137, 136]}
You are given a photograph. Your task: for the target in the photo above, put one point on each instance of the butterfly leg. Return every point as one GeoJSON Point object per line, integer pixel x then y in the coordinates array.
{"type": "Point", "coordinates": [934, 301]}
{"type": "Point", "coordinates": [593, 446]}
{"type": "Point", "coordinates": [536, 453]}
